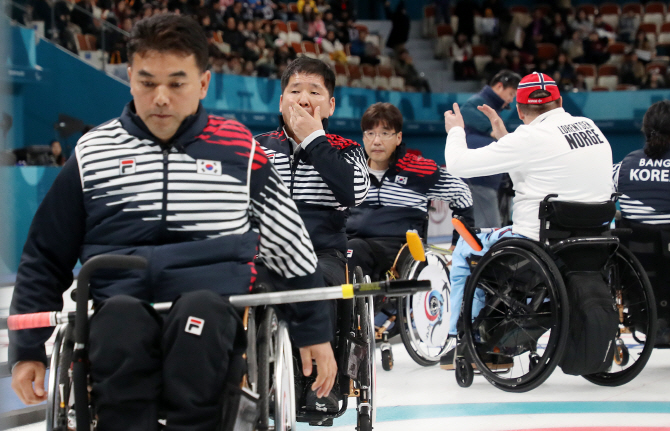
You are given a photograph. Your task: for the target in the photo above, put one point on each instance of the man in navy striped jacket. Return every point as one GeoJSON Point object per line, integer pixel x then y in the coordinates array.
{"type": "Point", "coordinates": [325, 173]}
{"type": "Point", "coordinates": [196, 196]}
{"type": "Point", "coordinates": [402, 185]}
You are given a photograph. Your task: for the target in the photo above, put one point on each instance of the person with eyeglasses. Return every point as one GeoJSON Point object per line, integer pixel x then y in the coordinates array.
{"type": "Point", "coordinates": [402, 185]}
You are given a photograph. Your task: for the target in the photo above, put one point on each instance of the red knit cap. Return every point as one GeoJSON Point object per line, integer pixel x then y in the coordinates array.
{"type": "Point", "coordinates": [537, 81]}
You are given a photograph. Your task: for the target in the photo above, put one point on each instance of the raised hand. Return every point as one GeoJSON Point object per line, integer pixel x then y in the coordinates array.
{"type": "Point", "coordinates": [497, 124]}
{"type": "Point", "coordinates": [302, 123]}
{"type": "Point", "coordinates": [453, 118]}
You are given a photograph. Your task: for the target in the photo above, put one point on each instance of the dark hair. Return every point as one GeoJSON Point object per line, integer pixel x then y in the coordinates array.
{"type": "Point", "coordinates": [507, 78]}
{"type": "Point", "coordinates": [169, 33]}
{"type": "Point", "coordinates": [534, 110]}
{"type": "Point", "coordinates": [656, 129]}
{"type": "Point", "coordinates": [309, 66]}
{"type": "Point", "coordinates": [383, 114]}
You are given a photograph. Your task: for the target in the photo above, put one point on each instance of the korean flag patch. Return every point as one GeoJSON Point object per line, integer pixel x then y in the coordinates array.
{"type": "Point", "coordinates": [400, 179]}
{"type": "Point", "coordinates": [194, 325]}
{"type": "Point", "coordinates": [208, 167]}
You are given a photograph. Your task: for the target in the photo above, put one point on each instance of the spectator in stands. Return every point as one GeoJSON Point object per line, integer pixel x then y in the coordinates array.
{"type": "Point", "coordinates": [559, 31]}
{"type": "Point", "coordinates": [329, 21]}
{"type": "Point", "coordinates": [539, 28]}
{"type": "Point", "coordinates": [236, 11]}
{"type": "Point", "coordinates": [331, 44]}
{"type": "Point", "coordinates": [465, 10]}
{"type": "Point", "coordinates": [632, 71]}
{"type": "Point", "coordinates": [366, 50]}
{"type": "Point", "coordinates": [265, 66]}
{"type": "Point", "coordinates": [82, 16]}
{"type": "Point", "coordinates": [595, 49]}
{"type": "Point", "coordinates": [232, 36]}
{"type": "Point", "coordinates": [443, 8]}
{"type": "Point", "coordinates": [248, 30]}
{"type": "Point", "coordinates": [250, 51]}
{"type": "Point", "coordinates": [478, 134]}
{"type": "Point", "coordinates": [574, 47]}
{"type": "Point", "coordinates": [234, 66]}
{"type": "Point", "coordinates": [302, 3]}
{"type": "Point", "coordinates": [563, 72]}
{"type": "Point", "coordinates": [284, 54]}
{"type": "Point", "coordinates": [655, 80]}
{"type": "Point", "coordinates": [582, 23]}
{"type": "Point", "coordinates": [515, 63]}
{"type": "Point", "coordinates": [628, 24]}
{"type": "Point", "coordinates": [57, 157]}
{"type": "Point", "coordinates": [498, 63]}
{"type": "Point", "coordinates": [461, 52]}
{"type": "Point", "coordinates": [643, 47]}
{"type": "Point", "coordinates": [343, 10]}
{"type": "Point", "coordinates": [66, 30]}
{"type": "Point", "coordinates": [603, 28]}
{"type": "Point", "coordinates": [304, 19]}
{"type": "Point", "coordinates": [580, 83]}
{"type": "Point", "coordinates": [249, 69]}
{"type": "Point", "coordinates": [405, 67]}
{"type": "Point", "coordinates": [400, 25]}
{"type": "Point", "coordinates": [317, 28]}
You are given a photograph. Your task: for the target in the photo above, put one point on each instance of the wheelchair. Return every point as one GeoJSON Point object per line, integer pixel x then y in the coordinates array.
{"type": "Point", "coordinates": [521, 314]}
{"type": "Point", "coordinates": [422, 319]}
{"type": "Point", "coordinates": [355, 355]}
{"type": "Point", "coordinates": [262, 391]}
{"type": "Point", "coordinates": [651, 245]}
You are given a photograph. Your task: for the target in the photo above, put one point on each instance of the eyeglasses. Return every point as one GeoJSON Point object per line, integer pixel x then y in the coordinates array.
{"type": "Point", "coordinates": [384, 136]}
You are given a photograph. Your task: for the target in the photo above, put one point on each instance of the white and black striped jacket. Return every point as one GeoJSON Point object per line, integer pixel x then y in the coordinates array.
{"type": "Point", "coordinates": [644, 184]}
{"type": "Point", "coordinates": [199, 209]}
{"type": "Point", "coordinates": [400, 201]}
{"type": "Point", "coordinates": [325, 179]}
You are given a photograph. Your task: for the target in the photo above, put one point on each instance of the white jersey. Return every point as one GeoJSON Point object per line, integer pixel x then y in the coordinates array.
{"type": "Point", "coordinates": [556, 153]}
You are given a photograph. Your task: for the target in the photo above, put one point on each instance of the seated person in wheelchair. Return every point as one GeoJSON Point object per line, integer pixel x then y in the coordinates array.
{"type": "Point", "coordinates": [552, 152]}
{"type": "Point", "coordinates": [643, 178]}
{"type": "Point", "coordinates": [401, 186]}
{"type": "Point", "coordinates": [196, 196]}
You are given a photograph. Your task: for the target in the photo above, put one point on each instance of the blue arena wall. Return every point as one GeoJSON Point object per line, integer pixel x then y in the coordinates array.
{"type": "Point", "coordinates": [64, 84]}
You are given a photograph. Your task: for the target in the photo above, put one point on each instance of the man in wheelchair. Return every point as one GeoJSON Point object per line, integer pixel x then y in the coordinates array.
{"type": "Point", "coordinates": [552, 152]}
{"type": "Point", "coordinates": [402, 184]}
{"type": "Point", "coordinates": [196, 196]}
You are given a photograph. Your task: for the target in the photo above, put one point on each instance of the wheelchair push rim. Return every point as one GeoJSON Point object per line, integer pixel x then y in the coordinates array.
{"type": "Point", "coordinates": [424, 316]}
{"type": "Point", "coordinates": [635, 300]}
{"type": "Point", "coordinates": [518, 333]}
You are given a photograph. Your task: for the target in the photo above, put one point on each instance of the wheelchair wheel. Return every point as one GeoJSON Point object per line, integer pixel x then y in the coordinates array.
{"type": "Point", "coordinates": [367, 374]}
{"type": "Point", "coordinates": [516, 336]}
{"type": "Point", "coordinates": [424, 316]}
{"type": "Point", "coordinates": [637, 310]}
{"type": "Point", "coordinates": [60, 382]}
{"type": "Point", "coordinates": [387, 360]}
{"type": "Point", "coordinates": [464, 373]}
{"type": "Point", "coordinates": [275, 375]}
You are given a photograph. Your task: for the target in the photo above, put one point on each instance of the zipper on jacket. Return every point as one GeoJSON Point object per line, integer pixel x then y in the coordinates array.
{"type": "Point", "coordinates": [163, 229]}
{"type": "Point", "coordinates": [293, 161]}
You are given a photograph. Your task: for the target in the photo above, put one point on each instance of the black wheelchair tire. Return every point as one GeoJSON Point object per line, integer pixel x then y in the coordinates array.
{"type": "Point", "coordinates": [405, 321]}
{"type": "Point", "coordinates": [387, 360]}
{"type": "Point", "coordinates": [622, 377]}
{"type": "Point", "coordinates": [264, 353]}
{"type": "Point", "coordinates": [366, 372]}
{"type": "Point", "coordinates": [63, 347]}
{"type": "Point", "coordinates": [464, 373]}
{"type": "Point", "coordinates": [557, 341]}
{"type": "Point", "coordinates": [364, 423]}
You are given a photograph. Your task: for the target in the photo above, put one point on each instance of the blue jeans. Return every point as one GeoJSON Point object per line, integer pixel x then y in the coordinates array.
{"type": "Point", "coordinates": [460, 271]}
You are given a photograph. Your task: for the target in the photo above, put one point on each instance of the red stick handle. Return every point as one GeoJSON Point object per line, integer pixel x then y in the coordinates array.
{"type": "Point", "coordinates": [30, 321]}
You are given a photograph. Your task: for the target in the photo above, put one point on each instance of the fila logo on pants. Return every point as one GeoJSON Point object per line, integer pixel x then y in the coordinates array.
{"type": "Point", "coordinates": [194, 325]}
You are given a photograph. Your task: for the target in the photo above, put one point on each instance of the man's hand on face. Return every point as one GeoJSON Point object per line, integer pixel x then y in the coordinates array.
{"type": "Point", "coordinates": [325, 364]}
{"type": "Point", "coordinates": [497, 124]}
{"type": "Point", "coordinates": [453, 118]}
{"type": "Point", "coordinates": [23, 376]}
{"type": "Point", "coordinates": [302, 123]}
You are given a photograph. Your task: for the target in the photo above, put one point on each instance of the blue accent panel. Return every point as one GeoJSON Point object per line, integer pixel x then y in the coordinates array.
{"type": "Point", "coordinates": [22, 192]}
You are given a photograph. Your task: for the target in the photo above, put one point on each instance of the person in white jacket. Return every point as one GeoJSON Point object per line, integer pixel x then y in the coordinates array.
{"type": "Point", "coordinates": [553, 152]}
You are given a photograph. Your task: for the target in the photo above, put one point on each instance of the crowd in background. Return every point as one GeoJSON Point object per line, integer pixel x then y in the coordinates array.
{"type": "Point", "coordinates": [518, 40]}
